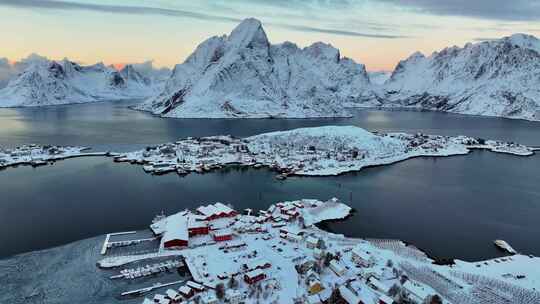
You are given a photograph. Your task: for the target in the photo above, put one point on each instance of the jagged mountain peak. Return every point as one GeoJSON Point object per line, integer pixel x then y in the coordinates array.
{"type": "Point", "coordinates": [524, 41]}
{"type": "Point", "coordinates": [323, 50]}
{"type": "Point", "coordinates": [243, 75]}
{"type": "Point", "coordinates": [249, 34]}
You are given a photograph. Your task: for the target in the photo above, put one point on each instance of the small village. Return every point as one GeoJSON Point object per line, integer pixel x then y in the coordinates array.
{"type": "Point", "coordinates": [216, 254]}
{"type": "Point", "coordinates": [321, 151]}
{"type": "Point", "coordinates": [312, 151]}
{"type": "Point", "coordinates": [36, 155]}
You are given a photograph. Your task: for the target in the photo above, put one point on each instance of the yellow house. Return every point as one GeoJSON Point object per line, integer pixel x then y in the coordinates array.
{"type": "Point", "coordinates": [315, 287]}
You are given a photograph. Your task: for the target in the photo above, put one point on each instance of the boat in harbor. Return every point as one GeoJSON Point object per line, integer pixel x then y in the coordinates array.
{"type": "Point", "coordinates": [504, 246]}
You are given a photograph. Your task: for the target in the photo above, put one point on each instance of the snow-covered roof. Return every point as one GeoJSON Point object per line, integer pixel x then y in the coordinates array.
{"type": "Point", "coordinates": [257, 263]}
{"type": "Point", "coordinates": [360, 253]}
{"type": "Point", "coordinates": [386, 299]}
{"type": "Point", "coordinates": [222, 232]}
{"type": "Point", "coordinates": [312, 240]}
{"type": "Point", "coordinates": [195, 222]}
{"type": "Point", "coordinates": [254, 273]}
{"type": "Point", "coordinates": [314, 299]}
{"type": "Point", "coordinates": [214, 209]}
{"type": "Point", "coordinates": [337, 266]}
{"type": "Point", "coordinates": [185, 289]}
{"type": "Point", "coordinates": [195, 285]}
{"type": "Point", "coordinates": [379, 285]}
{"type": "Point", "coordinates": [348, 295]}
{"type": "Point", "coordinates": [171, 293]}
{"type": "Point", "coordinates": [175, 228]}
{"type": "Point", "coordinates": [209, 298]}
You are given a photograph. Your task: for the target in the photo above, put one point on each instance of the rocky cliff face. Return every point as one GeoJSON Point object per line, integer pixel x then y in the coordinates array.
{"type": "Point", "coordinates": [243, 75]}
{"type": "Point", "coordinates": [494, 78]}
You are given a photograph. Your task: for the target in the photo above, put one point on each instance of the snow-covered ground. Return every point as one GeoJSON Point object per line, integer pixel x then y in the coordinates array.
{"type": "Point", "coordinates": [298, 262]}
{"type": "Point", "coordinates": [319, 151]}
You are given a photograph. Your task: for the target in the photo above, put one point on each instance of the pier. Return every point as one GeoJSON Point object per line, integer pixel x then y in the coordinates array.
{"type": "Point", "coordinates": [106, 242]}
{"type": "Point", "coordinates": [148, 289]}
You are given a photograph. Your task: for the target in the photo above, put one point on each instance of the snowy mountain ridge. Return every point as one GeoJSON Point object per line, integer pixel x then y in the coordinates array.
{"type": "Point", "coordinates": [243, 75]}
{"type": "Point", "coordinates": [493, 78]}
{"type": "Point", "coordinates": [44, 82]}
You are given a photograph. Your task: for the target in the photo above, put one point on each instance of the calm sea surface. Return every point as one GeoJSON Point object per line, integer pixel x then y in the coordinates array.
{"type": "Point", "coordinates": [450, 207]}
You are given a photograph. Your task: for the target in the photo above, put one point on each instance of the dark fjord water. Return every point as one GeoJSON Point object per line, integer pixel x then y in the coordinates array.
{"type": "Point", "coordinates": [450, 207]}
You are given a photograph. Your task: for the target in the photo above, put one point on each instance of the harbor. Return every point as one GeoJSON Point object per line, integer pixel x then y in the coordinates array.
{"type": "Point", "coordinates": [224, 255]}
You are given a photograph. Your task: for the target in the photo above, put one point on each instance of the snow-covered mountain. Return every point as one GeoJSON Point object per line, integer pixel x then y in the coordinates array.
{"type": "Point", "coordinates": [494, 78]}
{"type": "Point", "coordinates": [379, 77]}
{"type": "Point", "coordinates": [45, 82]}
{"type": "Point", "coordinates": [243, 75]}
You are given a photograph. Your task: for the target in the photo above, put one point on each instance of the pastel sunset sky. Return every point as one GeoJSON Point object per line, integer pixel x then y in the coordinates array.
{"type": "Point", "coordinates": [375, 33]}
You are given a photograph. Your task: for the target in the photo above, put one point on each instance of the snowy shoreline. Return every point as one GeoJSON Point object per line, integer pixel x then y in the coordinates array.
{"type": "Point", "coordinates": [319, 151]}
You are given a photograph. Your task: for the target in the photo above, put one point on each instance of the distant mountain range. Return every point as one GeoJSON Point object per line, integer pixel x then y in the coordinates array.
{"type": "Point", "coordinates": [242, 75]}
{"type": "Point", "coordinates": [494, 78]}
{"type": "Point", "coordinates": [40, 81]}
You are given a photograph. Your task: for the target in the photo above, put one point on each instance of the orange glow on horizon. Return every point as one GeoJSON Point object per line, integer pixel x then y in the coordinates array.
{"type": "Point", "coordinates": [118, 66]}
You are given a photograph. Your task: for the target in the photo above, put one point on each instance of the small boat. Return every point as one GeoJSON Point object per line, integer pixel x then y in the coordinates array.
{"type": "Point", "coordinates": [38, 162]}
{"type": "Point", "coordinates": [148, 168]}
{"type": "Point", "coordinates": [504, 246]}
{"type": "Point", "coordinates": [181, 171]}
{"type": "Point", "coordinates": [281, 176]}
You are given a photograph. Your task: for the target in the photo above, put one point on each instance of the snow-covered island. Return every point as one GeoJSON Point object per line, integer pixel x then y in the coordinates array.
{"type": "Point", "coordinates": [278, 255]}
{"type": "Point", "coordinates": [36, 155]}
{"type": "Point", "coordinates": [318, 151]}
{"type": "Point", "coordinates": [321, 151]}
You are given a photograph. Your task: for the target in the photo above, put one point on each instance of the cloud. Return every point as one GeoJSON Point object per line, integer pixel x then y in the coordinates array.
{"type": "Point", "coordinates": [145, 10]}
{"type": "Point", "coordinates": [484, 39]}
{"type": "Point", "coordinates": [335, 32]}
{"type": "Point", "coordinates": [509, 10]}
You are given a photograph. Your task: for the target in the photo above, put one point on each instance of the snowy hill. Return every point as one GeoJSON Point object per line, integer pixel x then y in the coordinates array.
{"type": "Point", "coordinates": [43, 82]}
{"type": "Point", "coordinates": [494, 78]}
{"type": "Point", "coordinates": [243, 75]}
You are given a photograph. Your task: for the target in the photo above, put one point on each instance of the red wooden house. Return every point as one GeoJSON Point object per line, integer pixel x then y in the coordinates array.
{"type": "Point", "coordinates": [254, 276]}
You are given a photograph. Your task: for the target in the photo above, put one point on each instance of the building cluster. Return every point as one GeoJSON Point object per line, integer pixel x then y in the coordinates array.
{"type": "Point", "coordinates": [277, 255]}
{"type": "Point", "coordinates": [176, 230]}
{"type": "Point", "coordinates": [36, 155]}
